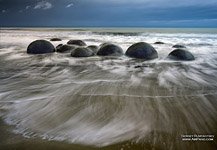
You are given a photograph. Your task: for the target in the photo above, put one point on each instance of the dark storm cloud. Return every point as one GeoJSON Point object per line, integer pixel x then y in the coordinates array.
{"type": "Point", "coordinates": [108, 13]}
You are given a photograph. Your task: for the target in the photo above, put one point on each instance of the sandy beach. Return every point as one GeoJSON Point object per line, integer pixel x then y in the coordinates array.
{"type": "Point", "coordinates": [55, 101]}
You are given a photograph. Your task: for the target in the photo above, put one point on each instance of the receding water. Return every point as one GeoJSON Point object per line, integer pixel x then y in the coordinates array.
{"type": "Point", "coordinates": [54, 101]}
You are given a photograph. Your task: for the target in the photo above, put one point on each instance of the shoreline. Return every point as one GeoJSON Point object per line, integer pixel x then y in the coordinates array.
{"type": "Point", "coordinates": [11, 141]}
{"type": "Point", "coordinates": [118, 29]}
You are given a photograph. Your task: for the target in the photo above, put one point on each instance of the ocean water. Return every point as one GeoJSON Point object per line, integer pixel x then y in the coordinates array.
{"type": "Point", "coordinates": [55, 101]}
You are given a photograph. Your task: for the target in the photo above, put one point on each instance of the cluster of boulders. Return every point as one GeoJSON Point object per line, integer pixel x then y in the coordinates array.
{"type": "Point", "coordinates": [79, 48]}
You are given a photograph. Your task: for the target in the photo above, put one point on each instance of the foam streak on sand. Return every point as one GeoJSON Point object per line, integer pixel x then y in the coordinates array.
{"type": "Point", "coordinates": [101, 101]}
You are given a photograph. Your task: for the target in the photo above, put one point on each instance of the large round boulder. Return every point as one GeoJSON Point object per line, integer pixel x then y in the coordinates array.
{"type": "Point", "coordinates": [178, 46]}
{"type": "Point", "coordinates": [82, 52]}
{"type": "Point", "coordinates": [65, 48]}
{"type": "Point", "coordinates": [180, 54]}
{"type": "Point", "coordinates": [108, 49]}
{"type": "Point", "coordinates": [77, 42]}
{"type": "Point", "coordinates": [142, 50]}
{"type": "Point", "coordinates": [55, 39]}
{"type": "Point", "coordinates": [94, 48]}
{"type": "Point", "coordinates": [159, 42]}
{"type": "Point", "coordinates": [58, 46]}
{"type": "Point", "coordinates": [40, 47]}
{"type": "Point", "coordinates": [102, 44]}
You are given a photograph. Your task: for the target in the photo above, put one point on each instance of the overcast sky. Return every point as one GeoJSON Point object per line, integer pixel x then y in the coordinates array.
{"type": "Point", "coordinates": [109, 13]}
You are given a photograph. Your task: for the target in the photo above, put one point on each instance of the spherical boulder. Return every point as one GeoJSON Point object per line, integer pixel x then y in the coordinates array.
{"type": "Point", "coordinates": [180, 54]}
{"type": "Point", "coordinates": [58, 46]}
{"type": "Point", "coordinates": [94, 48]}
{"type": "Point", "coordinates": [108, 49]}
{"type": "Point", "coordinates": [65, 48]}
{"type": "Point", "coordinates": [77, 42]}
{"type": "Point", "coordinates": [178, 46]}
{"type": "Point", "coordinates": [104, 44]}
{"type": "Point", "coordinates": [159, 42]}
{"type": "Point", "coordinates": [55, 39]}
{"type": "Point", "coordinates": [40, 47]}
{"type": "Point", "coordinates": [82, 52]}
{"type": "Point", "coordinates": [142, 50]}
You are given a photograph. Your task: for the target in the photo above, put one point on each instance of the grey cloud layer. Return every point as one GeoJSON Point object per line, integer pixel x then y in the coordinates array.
{"type": "Point", "coordinates": [108, 12]}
